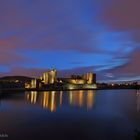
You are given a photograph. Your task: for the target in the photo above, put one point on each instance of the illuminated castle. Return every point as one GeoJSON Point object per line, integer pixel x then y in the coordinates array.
{"type": "Point", "coordinates": [90, 78]}
{"type": "Point", "coordinates": [49, 79]}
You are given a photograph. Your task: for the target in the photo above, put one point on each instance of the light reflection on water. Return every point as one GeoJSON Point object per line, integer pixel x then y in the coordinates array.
{"type": "Point", "coordinates": [71, 115]}
{"type": "Point", "coordinates": [52, 99]}
{"type": "Point", "coordinates": [138, 100]}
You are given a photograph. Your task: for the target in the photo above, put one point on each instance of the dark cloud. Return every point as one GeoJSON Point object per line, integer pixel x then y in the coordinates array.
{"type": "Point", "coordinates": [133, 65]}
{"type": "Point", "coordinates": [47, 25]}
{"type": "Point", "coordinates": [42, 25]}
{"type": "Point", "coordinates": [8, 54]}
{"type": "Point", "coordinates": [129, 71]}
{"type": "Point", "coordinates": [76, 71]}
{"type": "Point", "coordinates": [123, 15]}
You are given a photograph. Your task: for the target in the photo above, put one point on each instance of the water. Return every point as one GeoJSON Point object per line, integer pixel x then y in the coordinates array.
{"type": "Point", "coordinates": [70, 115]}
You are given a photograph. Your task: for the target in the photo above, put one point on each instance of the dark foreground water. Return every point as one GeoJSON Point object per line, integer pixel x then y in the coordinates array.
{"type": "Point", "coordinates": [71, 115]}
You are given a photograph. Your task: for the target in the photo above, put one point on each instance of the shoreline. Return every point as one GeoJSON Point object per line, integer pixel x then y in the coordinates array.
{"type": "Point", "coordinates": [24, 90]}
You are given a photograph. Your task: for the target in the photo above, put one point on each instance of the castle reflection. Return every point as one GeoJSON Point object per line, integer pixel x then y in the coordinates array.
{"type": "Point", "coordinates": [51, 100]}
{"type": "Point", "coordinates": [138, 100]}
{"type": "Point", "coordinates": [79, 98]}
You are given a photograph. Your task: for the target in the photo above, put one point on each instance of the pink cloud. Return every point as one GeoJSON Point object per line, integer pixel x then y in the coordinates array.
{"type": "Point", "coordinates": [132, 67]}
{"type": "Point", "coordinates": [46, 25]}
{"type": "Point", "coordinates": [8, 52]}
{"type": "Point", "coordinates": [123, 15]}
{"type": "Point", "coordinates": [20, 71]}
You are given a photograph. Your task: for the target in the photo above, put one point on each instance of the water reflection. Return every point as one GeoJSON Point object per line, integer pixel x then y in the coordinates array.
{"type": "Point", "coordinates": [47, 100]}
{"type": "Point", "coordinates": [115, 110]}
{"type": "Point", "coordinates": [138, 100]}
{"type": "Point", "coordinates": [90, 99]}
{"type": "Point", "coordinates": [52, 100]}
{"type": "Point", "coordinates": [80, 98]}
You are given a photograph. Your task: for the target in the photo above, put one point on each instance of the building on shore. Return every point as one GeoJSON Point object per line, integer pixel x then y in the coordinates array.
{"type": "Point", "coordinates": [89, 78]}
{"type": "Point", "coordinates": [49, 79]}
{"type": "Point", "coordinates": [35, 83]}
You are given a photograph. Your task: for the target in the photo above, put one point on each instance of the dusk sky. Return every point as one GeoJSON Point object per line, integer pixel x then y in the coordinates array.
{"type": "Point", "coordinates": [72, 36]}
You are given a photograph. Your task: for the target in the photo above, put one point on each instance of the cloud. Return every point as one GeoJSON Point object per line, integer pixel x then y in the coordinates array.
{"type": "Point", "coordinates": [8, 55]}
{"type": "Point", "coordinates": [46, 25]}
{"type": "Point", "coordinates": [76, 71]}
{"type": "Point", "coordinates": [132, 67]}
{"type": "Point", "coordinates": [123, 15]}
{"type": "Point", "coordinates": [16, 71]}
{"type": "Point", "coordinates": [36, 72]}
{"type": "Point", "coordinates": [129, 71]}
{"type": "Point", "coordinates": [70, 27]}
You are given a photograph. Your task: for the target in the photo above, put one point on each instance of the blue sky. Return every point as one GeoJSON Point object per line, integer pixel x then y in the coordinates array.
{"type": "Point", "coordinates": [70, 35]}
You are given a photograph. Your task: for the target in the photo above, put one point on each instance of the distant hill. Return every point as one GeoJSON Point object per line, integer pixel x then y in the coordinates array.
{"type": "Point", "coordinates": [14, 78]}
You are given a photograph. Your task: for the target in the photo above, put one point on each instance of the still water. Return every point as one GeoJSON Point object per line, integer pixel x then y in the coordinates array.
{"type": "Point", "coordinates": [70, 115]}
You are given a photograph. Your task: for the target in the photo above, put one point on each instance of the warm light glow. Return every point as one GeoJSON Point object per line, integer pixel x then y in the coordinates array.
{"type": "Point", "coordinates": [48, 100]}
{"type": "Point", "coordinates": [90, 86]}
{"type": "Point", "coordinates": [81, 98]}
{"type": "Point", "coordinates": [61, 97]}
{"type": "Point", "coordinates": [45, 99]}
{"type": "Point", "coordinates": [49, 77]}
{"type": "Point", "coordinates": [70, 97]}
{"type": "Point", "coordinates": [76, 98]}
{"type": "Point", "coordinates": [45, 78]}
{"type": "Point", "coordinates": [33, 83]}
{"type": "Point", "coordinates": [90, 99]}
{"type": "Point", "coordinates": [53, 102]}
{"type": "Point", "coordinates": [27, 85]}
{"type": "Point", "coordinates": [27, 96]}
{"type": "Point", "coordinates": [33, 96]}
{"type": "Point", "coordinates": [70, 86]}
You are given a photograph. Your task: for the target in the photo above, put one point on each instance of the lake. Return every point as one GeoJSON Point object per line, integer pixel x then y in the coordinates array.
{"type": "Point", "coordinates": [70, 115]}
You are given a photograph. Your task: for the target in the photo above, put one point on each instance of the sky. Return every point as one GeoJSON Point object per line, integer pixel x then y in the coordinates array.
{"type": "Point", "coordinates": [72, 36]}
